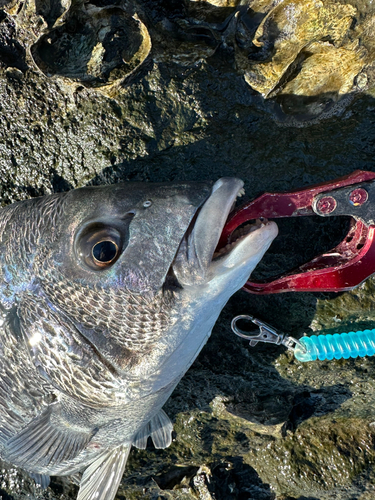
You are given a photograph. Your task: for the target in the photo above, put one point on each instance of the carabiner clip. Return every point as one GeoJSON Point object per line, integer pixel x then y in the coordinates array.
{"type": "Point", "coordinates": [267, 333]}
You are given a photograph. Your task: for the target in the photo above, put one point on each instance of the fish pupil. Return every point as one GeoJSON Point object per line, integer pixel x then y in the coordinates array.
{"type": "Point", "coordinates": [104, 251]}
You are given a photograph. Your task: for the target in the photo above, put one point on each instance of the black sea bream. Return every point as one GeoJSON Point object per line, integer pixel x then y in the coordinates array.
{"type": "Point", "coordinates": [107, 295]}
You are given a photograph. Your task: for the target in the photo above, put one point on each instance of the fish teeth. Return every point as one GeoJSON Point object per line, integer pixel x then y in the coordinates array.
{"type": "Point", "coordinates": [239, 234]}
{"type": "Point", "coordinates": [248, 228]}
{"type": "Point", "coordinates": [223, 250]}
{"type": "Point", "coordinates": [240, 193]}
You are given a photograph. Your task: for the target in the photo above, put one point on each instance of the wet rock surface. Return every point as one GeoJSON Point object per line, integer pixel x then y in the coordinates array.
{"type": "Point", "coordinates": [250, 423]}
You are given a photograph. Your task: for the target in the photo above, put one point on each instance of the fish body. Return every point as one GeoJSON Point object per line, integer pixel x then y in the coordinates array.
{"type": "Point", "coordinates": [107, 296]}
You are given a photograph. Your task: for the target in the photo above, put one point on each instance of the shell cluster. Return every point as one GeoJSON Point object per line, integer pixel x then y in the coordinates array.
{"type": "Point", "coordinates": [303, 56]}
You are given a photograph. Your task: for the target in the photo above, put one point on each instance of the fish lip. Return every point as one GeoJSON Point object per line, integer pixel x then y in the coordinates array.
{"type": "Point", "coordinates": [247, 250]}
{"type": "Point", "coordinates": [237, 236]}
{"type": "Point", "coordinates": [227, 189]}
{"type": "Point", "coordinates": [197, 248]}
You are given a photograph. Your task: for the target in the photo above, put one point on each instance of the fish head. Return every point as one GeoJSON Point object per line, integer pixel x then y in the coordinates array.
{"type": "Point", "coordinates": [145, 237]}
{"type": "Point", "coordinates": [153, 246]}
{"type": "Point", "coordinates": [124, 236]}
{"type": "Point", "coordinates": [131, 267]}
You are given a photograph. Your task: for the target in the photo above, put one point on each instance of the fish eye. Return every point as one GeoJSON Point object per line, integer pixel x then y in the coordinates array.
{"type": "Point", "coordinates": [99, 246]}
{"type": "Point", "coordinates": [104, 252]}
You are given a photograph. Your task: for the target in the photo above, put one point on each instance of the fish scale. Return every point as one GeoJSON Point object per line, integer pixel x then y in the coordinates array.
{"type": "Point", "coordinates": [125, 320]}
{"type": "Point", "coordinates": [18, 379]}
{"type": "Point", "coordinates": [93, 344]}
{"type": "Point", "coordinates": [95, 385]}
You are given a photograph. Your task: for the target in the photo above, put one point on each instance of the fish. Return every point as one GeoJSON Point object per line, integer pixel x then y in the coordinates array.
{"type": "Point", "coordinates": [107, 295]}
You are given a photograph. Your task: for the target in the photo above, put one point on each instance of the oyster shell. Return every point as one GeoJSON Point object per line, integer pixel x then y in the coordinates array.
{"type": "Point", "coordinates": [327, 74]}
{"type": "Point", "coordinates": [95, 46]}
{"type": "Point", "coordinates": [218, 3]}
{"type": "Point", "coordinates": [284, 32]}
{"type": "Point", "coordinates": [304, 56]}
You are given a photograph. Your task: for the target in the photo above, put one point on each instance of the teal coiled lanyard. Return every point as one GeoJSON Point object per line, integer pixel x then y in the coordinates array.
{"type": "Point", "coordinates": [336, 346]}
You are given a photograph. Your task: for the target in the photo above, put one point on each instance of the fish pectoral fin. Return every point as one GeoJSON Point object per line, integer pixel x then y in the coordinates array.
{"type": "Point", "coordinates": [44, 442]}
{"type": "Point", "coordinates": [101, 479]}
{"type": "Point", "coordinates": [159, 428]}
{"type": "Point", "coordinates": [41, 479]}
{"type": "Point", "coordinates": [76, 478]}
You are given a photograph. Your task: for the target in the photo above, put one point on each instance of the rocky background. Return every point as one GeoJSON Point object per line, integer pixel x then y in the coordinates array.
{"type": "Point", "coordinates": [278, 93]}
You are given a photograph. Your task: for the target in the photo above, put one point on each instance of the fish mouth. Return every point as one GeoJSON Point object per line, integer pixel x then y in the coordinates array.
{"type": "Point", "coordinates": [198, 254]}
{"type": "Point", "coordinates": [238, 235]}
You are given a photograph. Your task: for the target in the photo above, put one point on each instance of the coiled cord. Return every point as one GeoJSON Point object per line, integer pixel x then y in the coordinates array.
{"type": "Point", "coordinates": [339, 345]}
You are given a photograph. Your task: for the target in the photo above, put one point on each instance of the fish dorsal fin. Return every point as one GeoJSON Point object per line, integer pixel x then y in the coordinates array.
{"type": "Point", "coordinates": [101, 479]}
{"type": "Point", "coordinates": [44, 442]}
{"type": "Point", "coordinates": [41, 479]}
{"type": "Point", "coordinates": [159, 428]}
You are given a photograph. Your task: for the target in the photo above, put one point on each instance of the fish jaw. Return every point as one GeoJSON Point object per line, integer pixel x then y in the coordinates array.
{"type": "Point", "coordinates": [196, 263]}
{"type": "Point", "coordinates": [243, 257]}
{"type": "Point", "coordinates": [206, 282]}
{"type": "Point", "coordinates": [207, 279]}
{"type": "Point", "coordinates": [196, 250]}
{"type": "Point", "coordinates": [198, 306]}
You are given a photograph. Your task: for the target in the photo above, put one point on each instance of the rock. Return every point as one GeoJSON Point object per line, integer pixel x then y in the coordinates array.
{"type": "Point", "coordinates": [250, 423]}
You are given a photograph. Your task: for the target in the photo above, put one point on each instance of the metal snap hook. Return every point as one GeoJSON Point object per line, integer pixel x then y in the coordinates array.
{"type": "Point", "coordinates": [266, 333]}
